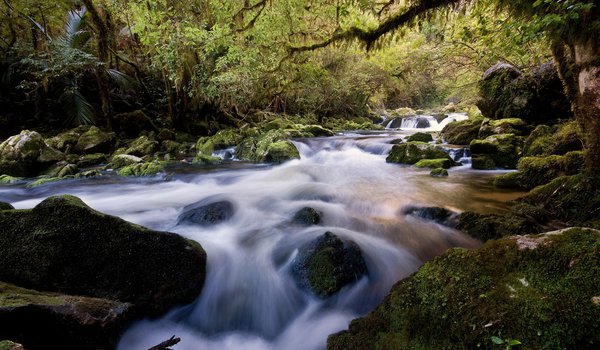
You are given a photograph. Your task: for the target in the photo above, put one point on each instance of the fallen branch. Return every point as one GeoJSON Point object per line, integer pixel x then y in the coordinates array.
{"type": "Point", "coordinates": [165, 345]}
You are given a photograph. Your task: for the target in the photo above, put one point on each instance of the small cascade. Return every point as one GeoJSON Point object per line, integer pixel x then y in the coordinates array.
{"type": "Point", "coordinates": [460, 155]}
{"type": "Point", "coordinates": [225, 154]}
{"type": "Point", "coordinates": [424, 122]}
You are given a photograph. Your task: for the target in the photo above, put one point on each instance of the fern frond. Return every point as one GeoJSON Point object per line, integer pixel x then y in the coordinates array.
{"type": "Point", "coordinates": [124, 81]}
{"type": "Point", "coordinates": [77, 108]}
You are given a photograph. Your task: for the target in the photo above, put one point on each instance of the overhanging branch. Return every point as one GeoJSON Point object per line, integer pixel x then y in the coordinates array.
{"type": "Point", "coordinates": [371, 36]}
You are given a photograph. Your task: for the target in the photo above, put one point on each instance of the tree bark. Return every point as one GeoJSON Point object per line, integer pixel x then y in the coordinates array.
{"type": "Point", "coordinates": [587, 103]}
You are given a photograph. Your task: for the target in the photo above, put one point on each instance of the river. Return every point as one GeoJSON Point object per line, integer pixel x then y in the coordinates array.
{"type": "Point", "coordinates": [249, 300]}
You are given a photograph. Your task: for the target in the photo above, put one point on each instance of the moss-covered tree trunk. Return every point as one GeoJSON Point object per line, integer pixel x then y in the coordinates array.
{"type": "Point", "coordinates": [587, 103]}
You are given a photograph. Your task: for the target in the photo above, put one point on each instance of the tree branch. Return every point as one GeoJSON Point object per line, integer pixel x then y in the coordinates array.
{"type": "Point", "coordinates": [371, 36]}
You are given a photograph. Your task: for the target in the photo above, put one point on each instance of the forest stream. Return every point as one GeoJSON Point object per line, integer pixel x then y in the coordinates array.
{"type": "Point", "coordinates": [250, 300]}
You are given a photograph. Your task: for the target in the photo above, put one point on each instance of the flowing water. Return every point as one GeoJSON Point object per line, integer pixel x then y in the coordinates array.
{"type": "Point", "coordinates": [249, 300]}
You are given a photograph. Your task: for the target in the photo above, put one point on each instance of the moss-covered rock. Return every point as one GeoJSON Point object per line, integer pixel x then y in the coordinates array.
{"type": "Point", "coordinates": [461, 132]}
{"type": "Point", "coordinates": [559, 139]}
{"type": "Point", "coordinates": [444, 163]}
{"type": "Point", "coordinates": [503, 126]}
{"type": "Point", "coordinates": [412, 152]}
{"type": "Point", "coordinates": [536, 96]}
{"type": "Point", "coordinates": [64, 246]}
{"type": "Point", "coordinates": [7, 179]}
{"type": "Point", "coordinates": [279, 152]}
{"type": "Point", "coordinates": [438, 172]}
{"type": "Point", "coordinates": [95, 140]}
{"type": "Point", "coordinates": [496, 151]}
{"type": "Point", "coordinates": [222, 139]}
{"type": "Point", "coordinates": [89, 160]}
{"type": "Point", "coordinates": [492, 226]}
{"type": "Point", "coordinates": [326, 264]}
{"type": "Point", "coordinates": [6, 206]}
{"type": "Point", "coordinates": [307, 217]}
{"type": "Point", "coordinates": [536, 171]}
{"type": "Point", "coordinates": [26, 154]}
{"type": "Point", "coordinates": [440, 215]}
{"type": "Point", "coordinates": [573, 199]}
{"type": "Point", "coordinates": [122, 160]}
{"type": "Point", "coordinates": [66, 141]}
{"type": "Point", "coordinates": [317, 130]}
{"type": "Point", "coordinates": [140, 147]}
{"type": "Point", "coordinates": [541, 290]}
{"type": "Point", "coordinates": [142, 169]}
{"type": "Point", "coordinates": [43, 320]}
{"type": "Point", "coordinates": [420, 136]}
{"type": "Point", "coordinates": [10, 345]}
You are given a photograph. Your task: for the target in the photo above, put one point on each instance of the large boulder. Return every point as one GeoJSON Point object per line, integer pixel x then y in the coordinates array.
{"type": "Point", "coordinates": [26, 154]}
{"type": "Point", "coordinates": [439, 215]}
{"type": "Point", "coordinates": [536, 96]}
{"type": "Point", "coordinates": [279, 152]}
{"type": "Point", "coordinates": [44, 320]}
{"type": "Point", "coordinates": [207, 212]}
{"type": "Point", "coordinates": [496, 151]}
{"type": "Point", "coordinates": [327, 264]}
{"type": "Point", "coordinates": [412, 152]}
{"type": "Point", "coordinates": [64, 246]}
{"type": "Point", "coordinates": [461, 132]}
{"type": "Point", "coordinates": [420, 136]}
{"type": "Point", "coordinates": [66, 141]}
{"type": "Point", "coordinates": [95, 140]}
{"type": "Point", "coordinates": [140, 147]}
{"type": "Point", "coordinates": [271, 146]}
{"type": "Point", "coordinates": [541, 290]}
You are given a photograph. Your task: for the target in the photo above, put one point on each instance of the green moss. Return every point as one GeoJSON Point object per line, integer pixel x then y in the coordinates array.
{"type": "Point", "coordinates": [503, 150]}
{"type": "Point", "coordinates": [92, 159]}
{"type": "Point", "coordinates": [7, 179]}
{"type": "Point", "coordinates": [140, 147]}
{"type": "Point", "coordinates": [202, 159]}
{"type": "Point", "coordinates": [281, 151]}
{"type": "Point", "coordinates": [412, 152]}
{"type": "Point", "coordinates": [142, 169]}
{"type": "Point", "coordinates": [537, 289]}
{"type": "Point", "coordinates": [6, 206]}
{"type": "Point", "coordinates": [560, 139]}
{"type": "Point", "coordinates": [461, 132]}
{"type": "Point", "coordinates": [491, 226]}
{"type": "Point", "coordinates": [420, 136]}
{"type": "Point", "coordinates": [502, 126]}
{"type": "Point", "coordinates": [435, 163]}
{"type": "Point", "coordinates": [439, 172]}
{"type": "Point", "coordinates": [43, 180]}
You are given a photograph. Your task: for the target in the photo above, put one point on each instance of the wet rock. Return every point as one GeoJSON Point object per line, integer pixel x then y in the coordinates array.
{"type": "Point", "coordinates": [510, 288]}
{"type": "Point", "coordinates": [492, 226]}
{"type": "Point", "coordinates": [222, 139]}
{"type": "Point", "coordinates": [536, 96]}
{"type": "Point", "coordinates": [440, 215]}
{"type": "Point", "coordinates": [64, 246]}
{"type": "Point", "coordinates": [43, 320]}
{"type": "Point", "coordinates": [10, 345]}
{"type": "Point", "coordinates": [461, 132]}
{"type": "Point", "coordinates": [7, 179]}
{"type": "Point", "coordinates": [6, 206]}
{"type": "Point", "coordinates": [89, 160]}
{"type": "Point", "coordinates": [123, 160]}
{"type": "Point", "coordinates": [95, 141]}
{"type": "Point", "coordinates": [307, 217]}
{"type": "Point", "coordinates": [496, 151]}
{"type": "Point", "coordinates": [207, 212]}
{"type": "Point", "coordinates": [26, 154]}
{"type": "Point", "coordinates": [279, 152]}
{"type": "Point", "coordinates": [133, 123]}
{"type": "Point", "coordinates": [438, 172]}
{"type": "Point", "coordinates": [317, 130]}
{"type": "Point", "coordinates": [66, 141]}
{"type": "Point", "coordinates": [327, 264]}
{"type": "Point", "coordinates": [420, 137]}
{"type": "Point", "coordinates": [142, 169]}
{"type": "Point", "coordinates": [412, 152]}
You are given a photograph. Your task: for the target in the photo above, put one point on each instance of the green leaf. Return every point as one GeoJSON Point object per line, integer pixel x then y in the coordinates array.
{"type": "Point", "coordinates": [497, 341]}
{"type": "Point", "coordinates": [514, 342]}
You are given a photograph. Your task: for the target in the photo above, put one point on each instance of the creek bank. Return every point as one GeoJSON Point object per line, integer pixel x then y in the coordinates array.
{"type": "Point", "coordinates": [63, 246]}
{"type": "Point", "coordinates": [512, 288]}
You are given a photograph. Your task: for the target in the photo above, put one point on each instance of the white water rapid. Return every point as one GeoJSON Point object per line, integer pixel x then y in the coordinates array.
{"type": "Point", "coordinates": [424, 122]}
{"type": "Point", "coordinates": [249, 300]}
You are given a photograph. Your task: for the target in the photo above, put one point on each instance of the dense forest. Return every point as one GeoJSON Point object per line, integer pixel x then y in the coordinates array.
{"type": "Point", "coordinates": [310, 138]}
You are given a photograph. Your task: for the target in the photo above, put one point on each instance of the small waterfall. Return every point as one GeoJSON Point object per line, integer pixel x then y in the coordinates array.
{"type": "Point", "coordinates": [424, 122]}
{"type": "Point", "coordinates": [460, 155]}
{"type": "Point", "coordinates": [225, 154]}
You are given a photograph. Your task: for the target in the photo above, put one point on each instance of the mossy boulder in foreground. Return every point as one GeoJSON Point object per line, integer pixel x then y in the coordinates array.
{"type": "Point", "coordinates": [64, 246]}
{"type": "Point", "coordinates": [461, 132]}
{"type": "Point", "coordinates": [541, 290]}
{"type": "Point", "coordinates": [496, 151]}
{"type": "Point", "coordinates": [43, 320]}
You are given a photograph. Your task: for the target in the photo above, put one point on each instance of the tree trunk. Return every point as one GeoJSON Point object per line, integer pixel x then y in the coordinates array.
{"type": "Point", "coordinates": [587, 104]}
